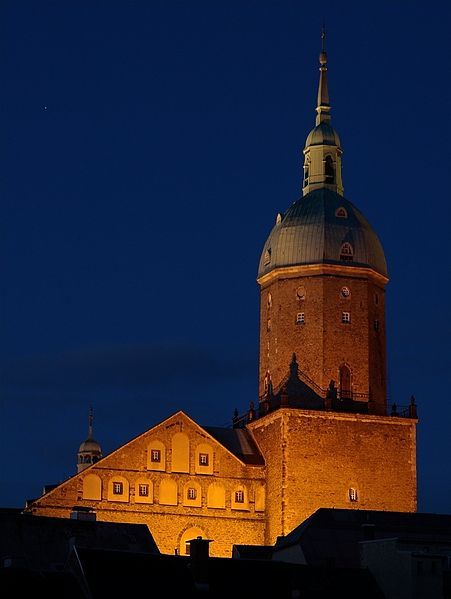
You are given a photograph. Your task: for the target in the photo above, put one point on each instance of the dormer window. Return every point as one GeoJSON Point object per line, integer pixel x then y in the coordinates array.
{"type": "Point", "coordinates": [329, 171]}
{"type": "Point", "coordinates": [341, 212]}
{"type": "Point", "coordinates": [346, 252]}
{"type": "Point", "coordinates": [267, 257]}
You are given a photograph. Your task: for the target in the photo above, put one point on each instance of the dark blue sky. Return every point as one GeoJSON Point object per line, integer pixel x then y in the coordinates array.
{"type": "Point", "coordinates": [145, 149]}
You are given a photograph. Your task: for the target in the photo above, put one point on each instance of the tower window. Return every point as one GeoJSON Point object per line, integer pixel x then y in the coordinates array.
{"type": "Point", "coordinates": [341, 212]}
{"type": "Point", "coordinates": [239, 496]}
{"type": "Point", "coordinates": [191, 493]}
{"type": "Point", "coordinates": [306, 174]}
{"type": "Point", "coordinates": [118, 488]}
{"type": "Point", "coordinates": [376, 298]}
{"type": "Point", "coordinates": [376, 325]}
{"type": "Point", "coordinates": [143, 490]}
{"type": "Point", "coordinates": [329, 170]}
{"type": "Point", "coordinates": [155, 455]}
{"type": "Point", "coordinates": [203, 459]}
{"type": "Point", "coordinates": [346, 252]}
{"type": "Point", "coordinates": [267, 257]}
{"type": "Point", "coordinates": [300, 318]}
{"type": "Point", "coordinates": [353, 494]}
{"type": "Point", "coordinates": [346, 317]}
{"type": "Point", "coordinates": [269, 304]}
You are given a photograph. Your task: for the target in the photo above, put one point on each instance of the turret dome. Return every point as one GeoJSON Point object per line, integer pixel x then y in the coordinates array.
{"type": "Point", "coordinates": [322, 227]}
{"type": "Point", "coordinates": [90, 446]}
{"type": "Point", "coordinates": [323, 135]}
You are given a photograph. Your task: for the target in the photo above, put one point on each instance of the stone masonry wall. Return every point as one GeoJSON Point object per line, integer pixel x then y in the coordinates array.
{"type": "Point", "coordinates": [326, 455]}
{"type": "Point", "coordinates": [323, 343]}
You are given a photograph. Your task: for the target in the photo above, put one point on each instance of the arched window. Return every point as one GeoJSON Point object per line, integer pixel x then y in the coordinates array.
{"type": "Point", "coordinates": [345, 382]}
{"type": "Point", "coordinates": [192, 494]}
{"type": "Point", "coordinates": [329, 170]}
{"type": "Point", "coordinates": [204, 459]}
{"type": "Point", "coordinates": [92, 487]}
{"type": "Point", "coordinates": [180, 453]}
{"type": "Point", "coordinates": [346, 252]}
{"type": "Point", "coordinates": [216, 496]}
{"type": "Point", "coordinates": [143, 490]}
{"type": "Point", "coordinates": [168, 492]}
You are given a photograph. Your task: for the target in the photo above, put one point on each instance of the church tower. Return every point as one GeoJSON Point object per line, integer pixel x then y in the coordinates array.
{"type": "Point", "coordinates": [322, 276]}
{"type": "Point", "coordinates": [321, 435]}
{"type": "Point", "coordinates": [322, 422]}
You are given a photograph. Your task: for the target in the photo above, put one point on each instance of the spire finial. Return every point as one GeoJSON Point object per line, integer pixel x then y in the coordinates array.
{"type": "Point", "coordinates": [90, 421]}
{"type": "Point", "coordinates": [323, 106]}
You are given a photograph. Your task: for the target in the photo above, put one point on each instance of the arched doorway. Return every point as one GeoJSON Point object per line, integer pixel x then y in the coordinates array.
{"type": "Point", "coordinates": [345, 382]}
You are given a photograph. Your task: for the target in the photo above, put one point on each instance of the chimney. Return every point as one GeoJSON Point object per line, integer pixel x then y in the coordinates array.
{"type": "Point", "coordinates": [199, 552]}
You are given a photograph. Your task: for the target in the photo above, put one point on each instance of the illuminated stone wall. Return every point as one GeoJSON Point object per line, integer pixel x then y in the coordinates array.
{"type": "Point", "coordinates": [196, 484]}
{"type": "Point", "coordinates": [323, 342]}
{"type": "Point", "coordinates": [314, 459]}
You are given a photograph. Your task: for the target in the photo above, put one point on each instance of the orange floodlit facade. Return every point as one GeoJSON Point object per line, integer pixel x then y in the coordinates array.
{"type": "Point", "coordinates": [321, 433]}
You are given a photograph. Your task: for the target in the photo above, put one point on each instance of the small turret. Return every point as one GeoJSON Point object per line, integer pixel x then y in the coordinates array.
{"type": "Point", "coordinates": [89, 451]}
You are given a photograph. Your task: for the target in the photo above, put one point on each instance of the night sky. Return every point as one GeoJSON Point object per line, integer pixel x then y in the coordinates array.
{"type": "Point", "coordinates": [145, 150]}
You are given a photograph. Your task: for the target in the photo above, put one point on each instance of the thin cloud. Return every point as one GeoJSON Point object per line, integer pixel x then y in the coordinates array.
{"type": "Point", "coordinates": [123, 367]}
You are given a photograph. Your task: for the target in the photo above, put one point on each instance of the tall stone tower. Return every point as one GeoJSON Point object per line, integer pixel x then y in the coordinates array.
{"type": "Point", "coordinates": [322, 276]}
{"type": "Point", "coordinates": [322, 422]}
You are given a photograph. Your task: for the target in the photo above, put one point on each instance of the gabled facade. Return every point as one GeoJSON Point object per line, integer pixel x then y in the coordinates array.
{"type": "Point", "coordinates": [179, 480]}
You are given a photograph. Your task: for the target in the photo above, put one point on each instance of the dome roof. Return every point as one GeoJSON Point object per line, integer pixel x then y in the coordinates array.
{"type": "Point", "coordinates": [314, 230]}
{"type": "Point", "coordinates": [323, 135]}
{"type": "Point", "coordinates": [90, 446]}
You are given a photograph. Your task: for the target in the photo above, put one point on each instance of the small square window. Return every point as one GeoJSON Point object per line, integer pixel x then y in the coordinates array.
{"type": "Point", "coordinates": [346, 317]}
{"type": "Point", "coordinates": [300, 318]}
{"type": "Point", "coordinates": [239, 496]}
{"type": "Point", "coordinates": [203, 459]}
{"type": "Point", "coordinates": [353, 494]}
{"type": "Point", "coordinates": [155, 455]}
{"type": "Point", "coordinates": [118, 488]}
{"type": "Point", "coordinates": [143, 490]}
{"type": "Point", "coordinates": [192, 493]}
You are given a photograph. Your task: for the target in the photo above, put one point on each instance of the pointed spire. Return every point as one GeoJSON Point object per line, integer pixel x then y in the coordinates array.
{"type": "Point", "coordinates": [323, 105]}
{"type": "Point", "coordinates": [90, 421]}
